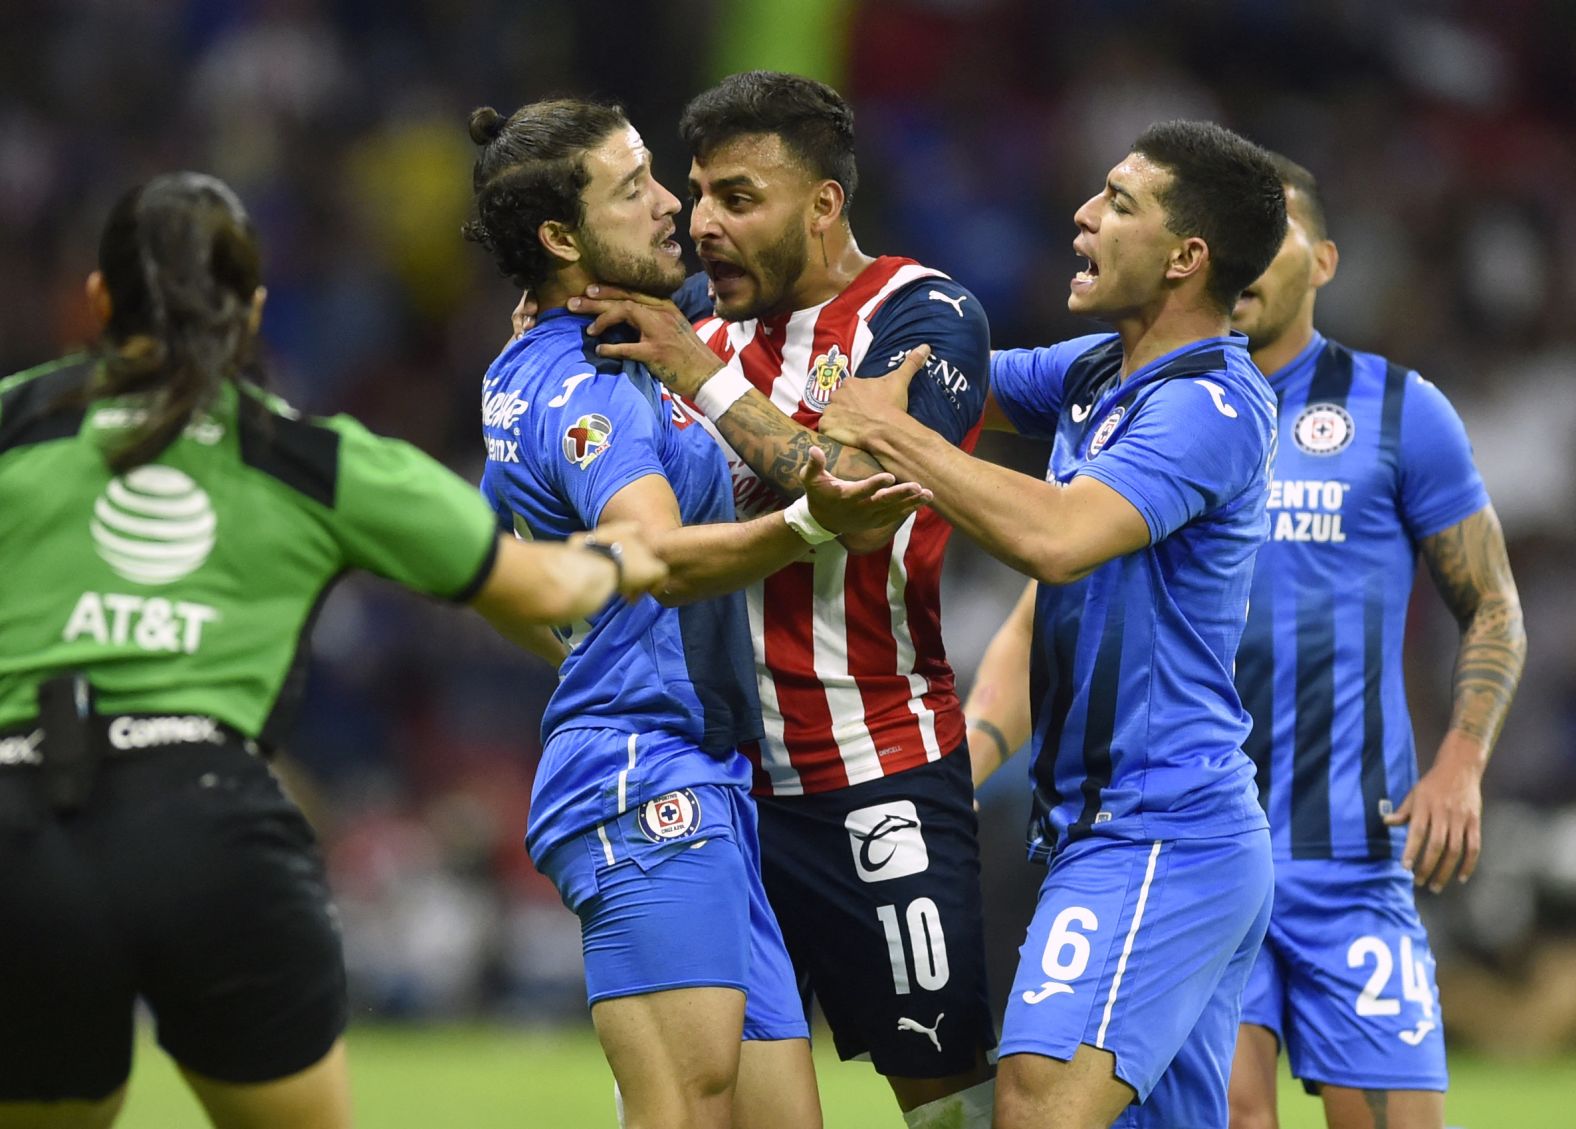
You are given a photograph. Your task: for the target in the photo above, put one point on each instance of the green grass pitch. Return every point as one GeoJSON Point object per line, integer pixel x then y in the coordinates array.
{"type": "Point", "coordinates": [500, 1078]}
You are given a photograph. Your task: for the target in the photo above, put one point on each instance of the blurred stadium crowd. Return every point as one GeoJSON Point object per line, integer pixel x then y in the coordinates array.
{"type": "Point", "coordinates": [1444, 134]}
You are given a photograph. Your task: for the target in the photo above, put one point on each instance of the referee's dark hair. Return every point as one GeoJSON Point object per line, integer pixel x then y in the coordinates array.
{"type": "Point", "coordinates": [532, 170]}
{"type": "Point", "coordinates": [180, 262]}
{"type": "Point", "coordinates": [1225, 190]}
{"type": "Point", "coordinates": [815, 123]}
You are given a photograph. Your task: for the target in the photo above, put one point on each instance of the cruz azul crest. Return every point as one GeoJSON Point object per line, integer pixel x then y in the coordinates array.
{"type": "Point", "coordinates": [1323, 429]}
{"type": "Point", "coordinates": [1107, 428]}
{"type": "Point", "coordinates": [826, 376]}
{"type": "Point", "coordinates": [673, 816]}
{"type": "Point", "coordinates": [587, 438]}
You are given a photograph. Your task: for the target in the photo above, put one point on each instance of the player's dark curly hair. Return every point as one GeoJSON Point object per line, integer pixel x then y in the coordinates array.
{"type": "Point", "coordinates": [532, 170]}
{"type": "Point", "coordinates": [812, 119]}
{"type": "Point", "coordinates": [1225, 190]}
{"type": "Point", "coordinates": [179, 258]}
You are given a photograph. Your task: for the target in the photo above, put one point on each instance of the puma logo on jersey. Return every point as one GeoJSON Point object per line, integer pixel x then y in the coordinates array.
{"type": "Point", "coordinates": [955, 303]}
{"type": "Point", "coordinates": [914, 1025]}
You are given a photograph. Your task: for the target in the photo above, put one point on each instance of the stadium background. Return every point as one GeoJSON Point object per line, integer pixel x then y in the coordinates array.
{"type": "Point", "coordinates": [1445, 137]}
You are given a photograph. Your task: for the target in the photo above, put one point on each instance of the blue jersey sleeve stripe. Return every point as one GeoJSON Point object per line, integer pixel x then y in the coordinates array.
{"type": "Point", "coordinates": [1310, 785]}
{"type": "Point", "coordinates": [1375, 784]}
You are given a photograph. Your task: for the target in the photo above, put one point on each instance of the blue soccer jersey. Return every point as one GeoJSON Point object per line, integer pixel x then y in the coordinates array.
{"type": "Point", "coordinates": [1138, 729]}
{"type": "Point", "coordinates": [566, 430]}
{"type": "Point", "coordinates": [1372, 460]}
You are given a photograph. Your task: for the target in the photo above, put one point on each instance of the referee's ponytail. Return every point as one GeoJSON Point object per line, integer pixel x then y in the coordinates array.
{"type": "Point", "coordinates": [180, 261]}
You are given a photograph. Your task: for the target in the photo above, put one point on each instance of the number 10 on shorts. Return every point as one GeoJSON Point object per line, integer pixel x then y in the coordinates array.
{"type": "Point", "coordinates": [925, 938]}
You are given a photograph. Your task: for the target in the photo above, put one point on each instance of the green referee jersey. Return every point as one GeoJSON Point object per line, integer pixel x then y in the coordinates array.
{"type": "Point", "coordinates": [188, 585]}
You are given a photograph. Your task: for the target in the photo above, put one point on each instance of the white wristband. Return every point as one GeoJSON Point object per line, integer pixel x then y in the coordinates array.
{"type": "Point", "coordinates": [802, 522]}
{"type": "Point", "coordinates": [721, 391]}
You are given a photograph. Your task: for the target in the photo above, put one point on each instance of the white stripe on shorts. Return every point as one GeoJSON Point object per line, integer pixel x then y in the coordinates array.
{"type": "Point", "coordinates": [607, 847]}
{"type": "Point", "coordinates": [1127, 946]}
{"type": "Point", "coordinates": [623, 778]}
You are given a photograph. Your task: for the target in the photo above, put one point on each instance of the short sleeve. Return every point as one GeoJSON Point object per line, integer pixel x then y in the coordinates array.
{"type": "Point", "coordinates": [401, 514]}
{"type": "Point", "coordinates": [1187, 451]}
{"type": "Point", "coordinates": [949, 395]}
{"type": "Point", "coordinates": [1028, 383]}
{"type": "Point", "coordinates": [1439, 483]}
{"type": "Point", "coordinates": [593, 440]}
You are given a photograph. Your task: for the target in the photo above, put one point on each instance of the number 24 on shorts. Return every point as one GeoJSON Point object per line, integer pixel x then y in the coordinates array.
{"type": "Point", "coordinates": [1414, 983]}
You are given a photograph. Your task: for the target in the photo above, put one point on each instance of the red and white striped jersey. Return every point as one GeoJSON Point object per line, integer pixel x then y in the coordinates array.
{"type": "Point", "coordinates": [854, 681]}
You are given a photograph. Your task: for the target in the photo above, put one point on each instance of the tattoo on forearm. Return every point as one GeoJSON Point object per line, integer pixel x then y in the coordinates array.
{"type": "Point", "coordinates": [1472, 572]}
{"type": "Point", "coordinates": [777, 448]}
{"type": "Point", "coordinates": [1378, 1107]}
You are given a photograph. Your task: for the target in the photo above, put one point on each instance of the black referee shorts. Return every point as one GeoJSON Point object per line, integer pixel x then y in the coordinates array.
{"type": "Point", "coordinates": [187, 879]}
{"type": "Point", "coordinates": [877, 889]}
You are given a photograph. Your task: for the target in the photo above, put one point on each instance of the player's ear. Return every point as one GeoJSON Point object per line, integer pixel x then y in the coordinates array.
{"type": "Point", "coordinates": [1326, 257]}
{"type": "Point", "coordinates": [1188, 259]}
{"type": "Point", "coordinates": [826, 206]}
{"type": "Point", "coordinates": [560, 240]}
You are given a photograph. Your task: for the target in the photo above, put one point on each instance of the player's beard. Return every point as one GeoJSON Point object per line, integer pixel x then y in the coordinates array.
{"type": "Point", "coordinates": [653, 273]}
{"type": "Point", "coordinates": [776, 269]}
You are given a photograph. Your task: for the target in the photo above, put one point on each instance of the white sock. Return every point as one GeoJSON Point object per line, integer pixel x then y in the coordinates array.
{"type": "Point", "coordinates": [966, 1109]}
{"type": "Point", "coordinates": [618, 1103]}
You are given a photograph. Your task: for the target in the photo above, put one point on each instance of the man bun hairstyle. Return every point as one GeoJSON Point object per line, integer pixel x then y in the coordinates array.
{"type": "Point", "coordinates": [814, 122]}
{"type": "Point", "coordinates": [532, 170]}
{"type": "Point", "coordinates": [1225, 190]}
{"type": "Point", "coordinates": [179, 258]}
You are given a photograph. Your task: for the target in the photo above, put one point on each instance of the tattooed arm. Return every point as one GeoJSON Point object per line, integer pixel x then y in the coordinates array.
{"type": "Point", "coordinates": [1472, 572]}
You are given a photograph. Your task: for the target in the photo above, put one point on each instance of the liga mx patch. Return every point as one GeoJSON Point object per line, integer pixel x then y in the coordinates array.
{"type": "Point", "coordinates": [673, 816]}
{"type": "Point", "coordinates": [826, 377]}
{"type": "Point", "coordinates": [587, 438]}
{"type": "Point", "coordinates": [1323, 429]}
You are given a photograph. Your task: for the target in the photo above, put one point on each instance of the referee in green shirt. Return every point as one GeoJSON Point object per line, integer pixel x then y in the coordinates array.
{"type": "Point", "coordinates": [167, 531]}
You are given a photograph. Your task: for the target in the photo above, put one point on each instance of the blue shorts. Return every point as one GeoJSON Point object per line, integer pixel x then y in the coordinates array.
{"type": "Point", "coordinates": [669, 896]}
{"type": "Point", "coordinates": [1346, 978]}
{"type": "Point", "coordinates": [1142, 949]}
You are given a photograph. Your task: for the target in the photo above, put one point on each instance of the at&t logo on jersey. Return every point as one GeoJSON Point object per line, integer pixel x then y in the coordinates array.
{"type": "Point", "coordinates": [1323, 429]}
{"type": "Point", "coordinates": [587, 438]}
{"type": "Point", "coordinates": [886, 841]}
{"type": "Point", "coordinates": [826, 376]}
{"type": "Point", "coordinates": [153, 525]}
{"type": "Point", "coordinates": [673, 816]}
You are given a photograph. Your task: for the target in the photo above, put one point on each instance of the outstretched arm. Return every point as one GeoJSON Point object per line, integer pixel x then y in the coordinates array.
{"type": "Point", "coordinates": [1472, 572]}
{"type": "Point", "coordinates": [709, 560]}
